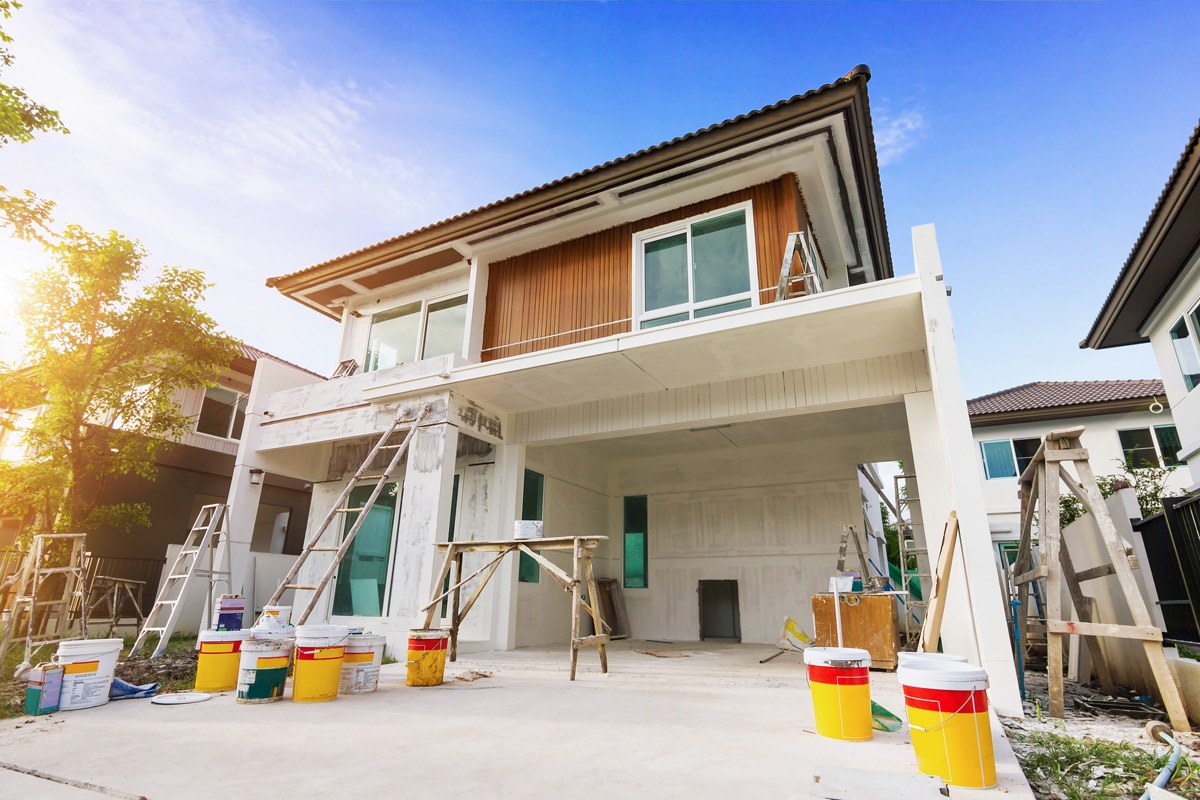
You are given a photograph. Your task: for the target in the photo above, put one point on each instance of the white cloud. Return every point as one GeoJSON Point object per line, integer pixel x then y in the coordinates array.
{"type": "Point", "coordinates": [896, 135]}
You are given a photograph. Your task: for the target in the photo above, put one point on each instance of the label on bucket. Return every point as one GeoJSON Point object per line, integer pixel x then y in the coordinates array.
{"type": "Point", "coordinates": [320, 653]}
{"type": "Point", "coordinates": [81, 668]}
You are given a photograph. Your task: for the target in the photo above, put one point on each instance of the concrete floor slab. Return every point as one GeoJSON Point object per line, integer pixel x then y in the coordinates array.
{"type": "Point", "coordinates": [709, 722]}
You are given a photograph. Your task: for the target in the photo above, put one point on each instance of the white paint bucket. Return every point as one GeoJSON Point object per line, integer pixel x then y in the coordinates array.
{"type": "Point", "coordinates": [360, 665]}
{"type": "Point", "coordinates": [904, 658]}
{"type": "Point", "coordinates": [276, 616]}
{"type": "Point", "coordinates": [527, 529]}
{"type": "Point", "coordinates": [88, 666]}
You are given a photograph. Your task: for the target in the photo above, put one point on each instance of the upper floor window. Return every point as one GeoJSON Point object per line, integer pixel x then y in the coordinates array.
{"type": "Point", "coordinates": [423, 329]}
{"type": "Point", "coordinates": [223, 413]}
{"type": "Point", "coordinates": [1150, 447]}
{"type": "Point", "coordinates": [1185, 352]}
{"type": "Point", "coordinates": [695, 268]}
{"type": "Point", "coordinates": [1007, 458]}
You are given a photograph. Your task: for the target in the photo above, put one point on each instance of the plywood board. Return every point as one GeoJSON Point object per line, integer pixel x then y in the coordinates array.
{"type": "Point", "coordinates": [868, 622]}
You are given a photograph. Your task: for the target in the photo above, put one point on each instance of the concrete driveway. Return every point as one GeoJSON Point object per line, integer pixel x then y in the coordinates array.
{"type": "Point", "coordinates": [686, 720]}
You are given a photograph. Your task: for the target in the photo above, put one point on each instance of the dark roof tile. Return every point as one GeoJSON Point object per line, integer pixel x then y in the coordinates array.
{"type": "Point", "coordinates": [1058, 394]}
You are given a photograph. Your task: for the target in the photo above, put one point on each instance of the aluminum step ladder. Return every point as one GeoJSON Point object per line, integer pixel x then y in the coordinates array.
{"type": "Point", "coordinates": [199, 548]}
{"type": "Point", "coordinates": [340, 509]}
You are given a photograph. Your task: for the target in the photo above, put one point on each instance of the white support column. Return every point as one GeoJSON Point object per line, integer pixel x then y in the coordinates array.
{"type": "Point", "coordinates": [949, 477]}
{"type": "Point", "coordinates": [508, 488]}
{"type": "Point", "coordinates": [424, 518]}
{"type": "Point", "coordinates": [476, 306]}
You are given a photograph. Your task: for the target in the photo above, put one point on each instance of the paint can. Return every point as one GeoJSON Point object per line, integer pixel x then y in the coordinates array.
{"type": "Point", "coordinates": [528, 529]}
{"type": "Point", "coordinates": [948, 721]}
{"type": "Point", "coordinates": [217, 667]}
{"type": "Point", "coordinates": [904, 658]}
{"type": "Point", "coordinates": [88, 666]}
{"type": "Point", "coordinates": [263, 666]}
{"type": "Point", "coordinates": [319, 653]}
{"type": "Point", "coordinates": [360, 667]}
{"type": "Point", "coordinates": [840, 682]}
{"type": "Point", "coordinates": [276, 616]}
{"type": "Point", "coordinates": [43, 689]}
{"type": "Point", "coordinates": [227, 616]}
{"type": "Point", "coordinates": [427, 657]}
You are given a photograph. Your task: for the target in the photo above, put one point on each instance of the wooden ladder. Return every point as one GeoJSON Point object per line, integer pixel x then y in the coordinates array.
{"type": "Point", "coordinates": [1040, 494]}
{"type": "Point", "coordinates": [36, 619]}
{"type": "Point", "coordinates": [203, 540]}
{"type": "Point", "coordinates": [340, 508]}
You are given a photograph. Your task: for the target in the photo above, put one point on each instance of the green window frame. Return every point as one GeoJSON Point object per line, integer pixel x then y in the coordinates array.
{"type": "Point", "coordinates": [528, 571]}
{"type": "Point", "coordinates": [635, 556]}
{"type": "Point", "coordinates": [998, 459]}
{"type": "Point", "coordinates": [362, 577]}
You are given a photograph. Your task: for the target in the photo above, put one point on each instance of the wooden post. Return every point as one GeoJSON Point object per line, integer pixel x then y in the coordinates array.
{"type": "Point", "coordinates": [594, 607]}
{"type": "Point", "coordinates": [454, 605]}
{"type": "Point", "coordinates": [931, 631]}
{"type": "Point", "coordinates": [577, 554]}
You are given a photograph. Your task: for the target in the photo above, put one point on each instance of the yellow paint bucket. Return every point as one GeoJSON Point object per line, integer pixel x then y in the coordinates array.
{"type": "Point", "coordinates": [217, 668]}
{"type": "Point", "coordinates": [427, 657]}
{"type": "Point", "coordinates": [318, 664]}
{"type": "Point", "coordinates": [840, 682]}
{"type": "Point", "coordinates": [948, 720]}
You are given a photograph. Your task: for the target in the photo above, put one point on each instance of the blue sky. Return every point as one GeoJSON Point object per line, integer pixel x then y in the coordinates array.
{"type": "Point", "coordinates": [254, 139]}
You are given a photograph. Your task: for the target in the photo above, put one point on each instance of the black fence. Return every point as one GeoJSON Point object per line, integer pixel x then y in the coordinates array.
{"type": "Point", "coordinates": [1172, 541]}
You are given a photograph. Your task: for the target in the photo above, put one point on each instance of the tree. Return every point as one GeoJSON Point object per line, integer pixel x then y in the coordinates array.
{"type": "Point", "coordinates": [1147, 482]}
{"type": "Point", "coordinates": [20, 119]}
{"type": "Point", "coordinates": [106, 354]}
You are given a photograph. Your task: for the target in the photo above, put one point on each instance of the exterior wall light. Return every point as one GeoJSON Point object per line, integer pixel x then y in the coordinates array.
{"type": "Point", "coordinates": [256, 476]}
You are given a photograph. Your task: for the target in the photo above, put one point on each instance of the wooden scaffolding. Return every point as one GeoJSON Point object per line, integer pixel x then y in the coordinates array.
{"type": "Point", "coordinates": [1040, 493]}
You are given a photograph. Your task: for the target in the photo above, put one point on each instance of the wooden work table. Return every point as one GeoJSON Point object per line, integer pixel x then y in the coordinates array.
{"type": "Point", "coordinates": [582, 581]}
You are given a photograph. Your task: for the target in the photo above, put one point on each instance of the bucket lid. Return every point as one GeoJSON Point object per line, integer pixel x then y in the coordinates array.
{"type": "Point", "coordinates": [267, 643]}
{"type": "Point", "coordinates": [837, 656]}
{"type": "Point", "coordinates": [224, 636]}
{"type": "Point", "coordinates": [365, 640]}
{"type": "Point", "coordinates": [942, 675]}
{"type": "Point", "coordinates": [434, 633]}
{"type": "Point", "coordinates": [321, 635]}
{"type": "Point", "coordinates": [936, 658]}
{"type": "Point", "coordinates": [91, 645]}
{"type": "Point", "coordinates": [272, 632]}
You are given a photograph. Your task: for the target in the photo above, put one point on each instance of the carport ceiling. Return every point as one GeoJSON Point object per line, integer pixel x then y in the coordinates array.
{"type": "Point", "coordinates": [867, 434]}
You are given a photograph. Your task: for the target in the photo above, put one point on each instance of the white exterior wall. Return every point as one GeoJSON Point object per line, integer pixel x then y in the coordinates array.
{"type": "Point", "coordinates": [1104, 453]}
{"type": "Point", "coordinates": [1183, 298]}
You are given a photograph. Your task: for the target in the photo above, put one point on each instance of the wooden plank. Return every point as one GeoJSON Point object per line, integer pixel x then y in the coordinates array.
{"type": "Point", "coordinates": [564, 580]}
{"type": "Point", "coordinates": [547, 543]}
{"type": "Point", "coordinates": [1072, 454]}
{"type": "Point", "coordinates": [1050, 543]}
{"type": "Point", "coordinates": [441, 579]}
{"type": "Point", "coordinates": [576, 597]}
{"type": "Point", "coordinates": [483, 580]}
{"type": "Point", "coordinates": [931, 631]}
{"type": "Point", "coordinates": [601, 639]}
{"type": "Point", "coordinates": [1171, 698]}
{"type": "Point", "coordinates": [1035, 574]}
{"type": "Point", "coordinates": [455, 618]}
{"type": "Point", "coordinates": [592, 641]}
{"type": "Point", "coordinates": [1083, 608]}
{"type": "Point", "coordinates": [1095, 572]}
{"type": "Point", "coordinates": [1143, 632]}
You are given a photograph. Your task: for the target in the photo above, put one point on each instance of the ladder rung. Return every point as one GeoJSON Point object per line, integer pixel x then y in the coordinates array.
{"type": "Point", "coordinates": [372, 477]}
{"type": "Point", "coordinates": [323, 549]}
{"type": "Point", "coordinates": [348, 510]}
{"type": "Point", "coordinates": [298, 586]}
{"type": "Point", "coordinates": [391, 446]}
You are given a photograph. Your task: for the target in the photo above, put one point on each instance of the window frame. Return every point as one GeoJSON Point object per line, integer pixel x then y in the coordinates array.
{"type": "Point", "coordinates": [1160, 461]}
{"type": "Point", "coordinates": [528, 569]}
{"type": "Point", "coordinates": [241, 403]}
{"type": "Point", "coordinates": [987, 474]}
{"type": "Point", "coordinates": [422, 328]}
{"type": "Point", "coordinates": [684, 226]}
{"type": "Point", "coordinates": [645, 540]}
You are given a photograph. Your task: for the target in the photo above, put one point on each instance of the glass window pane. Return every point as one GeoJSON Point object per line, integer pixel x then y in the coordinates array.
{"type": "Point", "coordinates": [393, 337]}
{"type": "Point", "coordinates": [665, 272]}
{"type": "Point", "coordinates": [217, 411]}
{"type": "Point", "coordinates": [1138, 448]}
{"type": "Point", "coordinates": [362, 575]}
{"type": "Point", "coordinates": [1185, 352]}
{"type": "Point", "coordinates": [998, 459]}
{"type": "Point", "coordinates": [528, 570]}
{"type": "Point", "coordinates": [1025, 450]}
{"type": "Point", "coordinates": [445, 326]}
{"type": "Point", "coordinates": [720, 260]}
{"type": "Point", "coordinates": [667, 320]}
{"type": "Point", "coordinates": [721, 309]}
{"type": "Point", "coordinates": [1168, 444]}
{"type": "Point", "coordinates": [635, 542]}
{"type": "Point", "coordinates": [239, 418]}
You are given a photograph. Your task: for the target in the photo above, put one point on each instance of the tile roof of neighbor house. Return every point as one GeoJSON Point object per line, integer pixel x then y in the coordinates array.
{"type": "Point", "coordinates": [860, 72]}
{"type": "Point", "coordinates": [1063, 394]}
{"type": "Point", "coordinates": [254, 354]}
{"type": "Point", "coordinates": [1142, 282]}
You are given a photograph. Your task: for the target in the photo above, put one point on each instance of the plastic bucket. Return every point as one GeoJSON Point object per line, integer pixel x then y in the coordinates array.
{"type": "Point", "coordinates": [88, 666]}
{"type": "Point", "coordinates": [217, 668]}
{"type": "Point", "coordinates": [228, 613]}
{"type": "Point", "coordinates": [904, 658]}
{"type": "Point", "coordinates": [840, 682]}
{"type": "Point", "coordinates": [279, 616]}
{"type": "Point", "coordinates": [263, 666]}
{"type": "Point", "coordinates": [427, 657]}
{"type": "Point", "coordinates": [319, 653]}
{"type": "Point", "coordinates": [360, 667]}
{"type": "Point", "coordinates": [948, 721]}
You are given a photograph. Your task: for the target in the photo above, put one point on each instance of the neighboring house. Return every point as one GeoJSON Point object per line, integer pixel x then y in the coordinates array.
{"type": "Point", "coordinates": [1127, 425]}
{"type": "Point", "coordinates": [608, 353]}
{"type": "Point", "coordinates": [1156, 298]}
{"type": "Point", "coordinates": [191, 473]}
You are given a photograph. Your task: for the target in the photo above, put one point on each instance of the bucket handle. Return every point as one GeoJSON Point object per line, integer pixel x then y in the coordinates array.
{"type": "Point", "coordinates": [959, 710]}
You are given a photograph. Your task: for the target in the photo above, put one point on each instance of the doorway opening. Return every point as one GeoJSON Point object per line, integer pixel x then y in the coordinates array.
{"type": "Point", "coordinates": [719, 615]}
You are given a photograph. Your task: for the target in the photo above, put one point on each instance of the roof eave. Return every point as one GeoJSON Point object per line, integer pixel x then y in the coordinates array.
{"type": "Point", "coordinates": [847, 94]}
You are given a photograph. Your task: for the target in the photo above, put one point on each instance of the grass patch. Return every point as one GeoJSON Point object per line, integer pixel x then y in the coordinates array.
{"type": "Point", "coordinates": [1061, 767]}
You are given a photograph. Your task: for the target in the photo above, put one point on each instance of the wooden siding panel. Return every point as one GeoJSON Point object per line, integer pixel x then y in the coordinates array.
{"type": "Point", "coordinates": [582, 289]}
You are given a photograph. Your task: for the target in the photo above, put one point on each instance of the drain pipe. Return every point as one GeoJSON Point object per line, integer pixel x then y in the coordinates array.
{"type": "Point", "coordinates": [1160, 732]}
